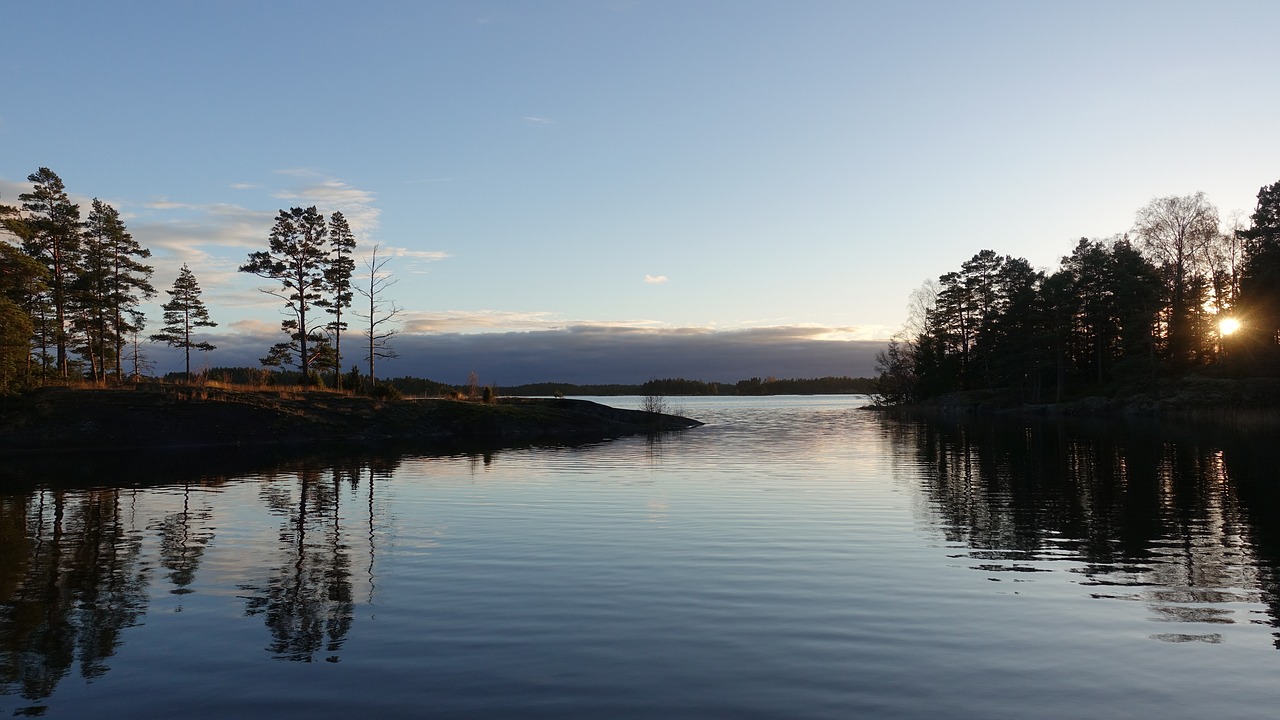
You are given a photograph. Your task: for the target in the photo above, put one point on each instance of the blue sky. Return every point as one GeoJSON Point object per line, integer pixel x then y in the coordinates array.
{"type": "Point", "coordinates": [769, 177]}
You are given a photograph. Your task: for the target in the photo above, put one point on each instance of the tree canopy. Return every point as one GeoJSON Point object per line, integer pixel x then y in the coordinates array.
{"type": "Point", "coordinates": [1115, 314]}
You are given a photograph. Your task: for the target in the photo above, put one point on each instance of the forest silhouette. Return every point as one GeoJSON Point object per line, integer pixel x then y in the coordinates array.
{"type": "Point", "coordinates": [1176, 295]}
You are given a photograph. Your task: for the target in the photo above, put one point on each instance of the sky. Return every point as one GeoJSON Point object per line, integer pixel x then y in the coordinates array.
{"type": "Point", "coordinates": [621, 190]}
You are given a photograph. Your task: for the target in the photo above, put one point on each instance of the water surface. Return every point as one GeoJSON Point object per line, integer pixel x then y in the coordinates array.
{"type": "Point", "coordinates": [794, 558]}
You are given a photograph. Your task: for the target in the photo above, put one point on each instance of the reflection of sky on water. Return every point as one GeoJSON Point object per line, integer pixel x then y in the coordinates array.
{"type": "Point", "coordinates": [793, 553]}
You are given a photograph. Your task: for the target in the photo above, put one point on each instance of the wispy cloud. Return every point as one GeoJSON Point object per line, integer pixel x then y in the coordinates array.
{"type": "Point", "coordinates": [535, 120]}
{"type": "Point", "coordinates": [243, 186]}
{"type": "Point", "coordinates": [330, 194]}
{"type": "Point", "coordinates": [470, 321]}
{"type": "Point", "coordinates": [478, 321]}
{"type": "Point", "coordinates": [253, 327]}
{"type": "Point", "coordinates": [165, 204]}
{"type": "Point", "coordinates": [655, 279]}
{"type": "Point", "coordinates": [415, 254]}
{"type": "Point", "coordinates": [10, 190]}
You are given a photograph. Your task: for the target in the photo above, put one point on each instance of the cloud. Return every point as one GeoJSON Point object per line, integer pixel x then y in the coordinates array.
{"type": "Point", "coordinates": [220, 224]}
{"type": "Point", "coordinates": [9, 191]}
{"type": "Point", "coordinates": [583, 353]}
{"type": "Point", "coordinates": [598, 354]}
{"type": "Point", "coordinates": [535, 120]}
{"type": "Point", "coordinates": [400, 252]}
{"type": "Point", "coordinates": [253, 327]}
{"type": "Point", "coordinates": [476, 321]}
{"type": "Point", "coordinates": [243, 186]}
{"type": "Point", "coordinates": [329, 195]}
{"type": "Point", "coordinates": [655, 279]}
{"type": "Point", "coordinates": [471, 321]}
{"type": "Point", "coordinates": [166, 204]}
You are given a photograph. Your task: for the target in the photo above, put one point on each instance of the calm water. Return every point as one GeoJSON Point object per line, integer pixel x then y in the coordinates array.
{"type": "Point", "coordinates": [794, 558]}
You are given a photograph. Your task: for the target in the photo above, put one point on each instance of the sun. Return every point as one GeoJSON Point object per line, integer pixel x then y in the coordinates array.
{"type": "Point", "coordinates": [1226, 326]}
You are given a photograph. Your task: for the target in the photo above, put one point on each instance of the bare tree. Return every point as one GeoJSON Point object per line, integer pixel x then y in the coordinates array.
{"type": "Point", "coordinates": [1226, 262]}
{"type": "Point", "coordinates": [1179, 234]}
{"type": "Point", "coordinates": [138, 360]}
{"type": "Point", "coordinates": [381, 314]}
{"type": "Point", "coordinates": [919, 304]}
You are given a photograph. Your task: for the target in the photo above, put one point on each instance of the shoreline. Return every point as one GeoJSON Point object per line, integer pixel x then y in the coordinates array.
{"type": "Point", "coordinates": [1244, 403]}
{"type": "Point", "coordinates": [174, 417]}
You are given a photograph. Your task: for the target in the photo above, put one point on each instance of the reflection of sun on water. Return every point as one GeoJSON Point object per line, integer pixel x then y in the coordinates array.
{"type": "Point", "coordinates": [1228, 325]}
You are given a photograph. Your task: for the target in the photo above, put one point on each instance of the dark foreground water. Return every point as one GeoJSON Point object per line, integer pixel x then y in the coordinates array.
{"type": "Point", "coordinates": [795, 558]}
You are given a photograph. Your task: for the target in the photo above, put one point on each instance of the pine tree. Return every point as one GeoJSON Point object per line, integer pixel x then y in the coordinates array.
{"type": "Point", "coordinates": [112, 282]}
{"type": "Point", "coordinates": [184, 312]}
{"type": "Point", "coordinates": [53, 239]}
{"type": "Point", "coordinates": [1260, 284]}
{"type": "Point", "coordinates": [297, 258]}
{"type": "Point", "coordinates": [338, 281]}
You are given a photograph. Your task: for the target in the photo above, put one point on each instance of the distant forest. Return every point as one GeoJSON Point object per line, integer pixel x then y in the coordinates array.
{"type": "Point", "coordinates": [422, 387]}
{"type": "Point", "coordinates": [1176, 295]}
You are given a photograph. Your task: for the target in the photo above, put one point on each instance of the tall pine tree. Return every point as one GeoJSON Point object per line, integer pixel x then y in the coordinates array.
{"type": "Point", "coordinates": [1260, 284]}
{"type": "Point", "coordinates": [53, 238]}
{"type": "Point", "coordinates": [297, 258]}
{"type": "Point", "coordinates": [112, 283]}
{"type": "Point", "coordinates": [337, 276]}
{"type": "Point", "coordinates": [185, 312]}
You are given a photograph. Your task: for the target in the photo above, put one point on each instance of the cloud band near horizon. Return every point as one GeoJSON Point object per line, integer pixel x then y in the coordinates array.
{"type": "Point", "coordinates": [585, 355]}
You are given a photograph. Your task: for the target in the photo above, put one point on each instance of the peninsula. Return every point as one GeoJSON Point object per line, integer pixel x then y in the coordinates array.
{"type": "Point", "coordinates": [175, 416]}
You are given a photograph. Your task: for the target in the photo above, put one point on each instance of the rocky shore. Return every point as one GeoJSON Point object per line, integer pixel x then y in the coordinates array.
{"type": "Point", "coordinates": [169, 416]}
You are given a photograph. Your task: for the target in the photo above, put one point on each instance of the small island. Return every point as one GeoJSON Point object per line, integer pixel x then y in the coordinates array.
{"type": "Point", "coordinates": [156, 416]}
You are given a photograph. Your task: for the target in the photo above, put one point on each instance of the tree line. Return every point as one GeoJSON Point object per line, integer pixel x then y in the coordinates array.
{"type": "Point", "coordinates": [312, 261]}
{"type": "Point", "coordinates": [71, 292]}
{"type": "Point", "coordinates": [1176, 294]}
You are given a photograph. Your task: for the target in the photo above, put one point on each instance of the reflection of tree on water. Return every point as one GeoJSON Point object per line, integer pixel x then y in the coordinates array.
{"type": "Point", "coordinates": [73, 571]}
{"type": "Point", "coordinates": [70, 582]}
{"type": "Point", "coordinates": [307, 603]}
{"type": "Point", "coordinates": [183, 542]}
{"type": "Point", "coordinates": [1155, 521]}
{"type": "Point", "coordinates": [1260, 498]}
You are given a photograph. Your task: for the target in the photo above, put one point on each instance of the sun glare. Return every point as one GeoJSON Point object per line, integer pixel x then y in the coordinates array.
{"type": "Point", "coordinates": [1228, 325]}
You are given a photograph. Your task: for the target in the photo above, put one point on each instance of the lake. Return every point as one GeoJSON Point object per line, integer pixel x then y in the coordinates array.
{"type": "Point", "coordinates": [794, 558]}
